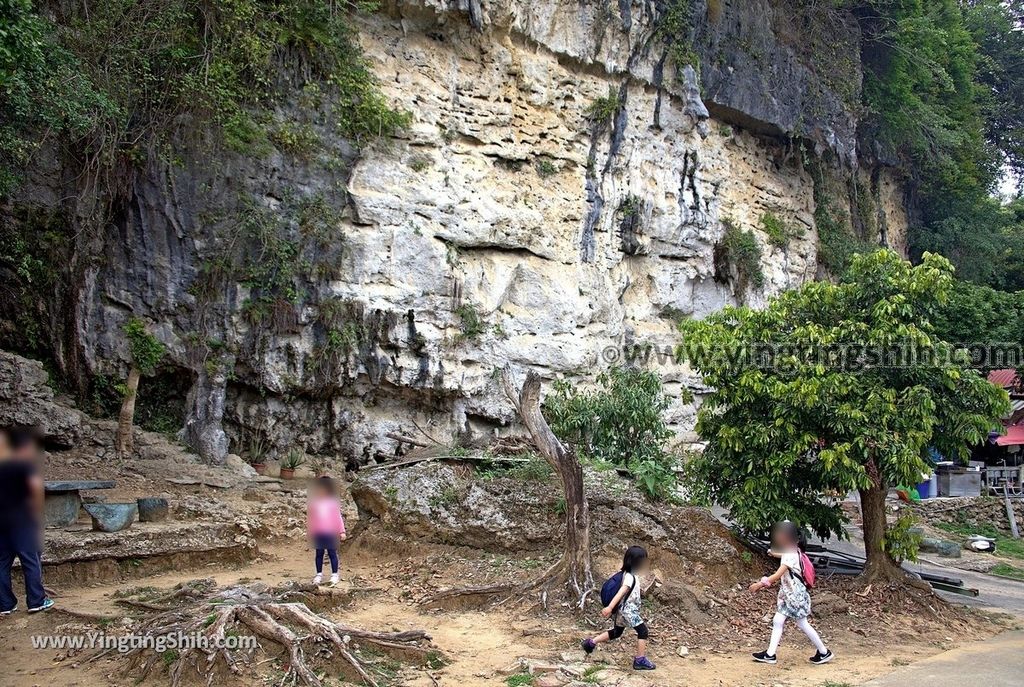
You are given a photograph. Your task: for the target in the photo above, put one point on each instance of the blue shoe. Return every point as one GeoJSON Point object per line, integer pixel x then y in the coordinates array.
{"type": "Point", "coordinates": [589, 645]}
{"type": "Point", "coordinates": [46, 605]}
{"type": "Point", "coordinates": [642, 663]}
{"type": "Point", "coordinates": [10, 611]}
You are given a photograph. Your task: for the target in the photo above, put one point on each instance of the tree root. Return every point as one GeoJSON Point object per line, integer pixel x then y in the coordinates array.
{"type": "Point", "coordinates": [219, 615]}
{"type": "Point", "coordinates": [555, 577]}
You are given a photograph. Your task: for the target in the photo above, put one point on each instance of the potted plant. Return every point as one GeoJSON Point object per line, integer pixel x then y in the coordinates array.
{"type": "Point", "coordinates": [257, 456]}
{"type": "Point", "coordinates": [291, 461]}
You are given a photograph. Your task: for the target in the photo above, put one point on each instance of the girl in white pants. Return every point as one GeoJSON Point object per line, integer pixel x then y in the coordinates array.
{"type": "Point", "coordinates": [794, 600]}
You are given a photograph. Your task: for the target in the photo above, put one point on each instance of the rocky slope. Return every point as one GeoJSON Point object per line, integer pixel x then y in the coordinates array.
{"type": "Point", "coordinates": [558, 198]}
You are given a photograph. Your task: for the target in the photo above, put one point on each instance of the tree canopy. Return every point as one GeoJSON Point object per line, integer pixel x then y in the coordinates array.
{"type": "Point", "coordinates": [944, 94]}
{"type": "Point", "coordinates": [813, 396]}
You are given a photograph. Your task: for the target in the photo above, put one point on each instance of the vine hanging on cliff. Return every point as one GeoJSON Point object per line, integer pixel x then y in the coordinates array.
{"type": "Point", "coordinates": [114, 79]}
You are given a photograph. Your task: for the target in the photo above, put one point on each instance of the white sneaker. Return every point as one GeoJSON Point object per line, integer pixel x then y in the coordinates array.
{"type": "Point", "coordinates": [334, 578]}
{"type": "Point", "coordinates": [10, 611]}
{"type": "Point", "coordinates": [318, 578]}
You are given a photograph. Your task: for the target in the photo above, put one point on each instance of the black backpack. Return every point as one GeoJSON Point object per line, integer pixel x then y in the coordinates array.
{"type": "Point", "coordinates": [612, 586]}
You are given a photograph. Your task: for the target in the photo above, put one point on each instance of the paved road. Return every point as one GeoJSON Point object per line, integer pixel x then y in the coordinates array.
{"type": "Point", "coordinates": [997, 662]}
{"type": "Point", "coordinates": [994, 593]}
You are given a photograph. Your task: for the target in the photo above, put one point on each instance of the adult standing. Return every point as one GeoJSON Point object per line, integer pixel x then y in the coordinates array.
{"type": "Point", "coordinates": [21, 517]}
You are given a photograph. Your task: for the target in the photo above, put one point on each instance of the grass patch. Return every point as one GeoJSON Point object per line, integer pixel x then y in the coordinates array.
{"type": "Point", "coordinates": [545, 168]}
{"type": "Point", "coordinates": [532, 469]}
{"type": "Point", "coordinates": [739, 249]}
{"type": "Point", "coordinates": [472, 322]}
{"type": "Point", "coordinates": [1005, 545]}
{"type": "Point", "coordinates": [519, 680]}
{"type": "Point", "coordinates": [1007, 570]}
{"type": "Point", "coordinates": [603, 108]}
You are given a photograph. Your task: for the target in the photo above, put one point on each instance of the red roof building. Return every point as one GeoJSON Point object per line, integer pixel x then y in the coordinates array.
{"type": "Point", "coordinates": [1007, 379]}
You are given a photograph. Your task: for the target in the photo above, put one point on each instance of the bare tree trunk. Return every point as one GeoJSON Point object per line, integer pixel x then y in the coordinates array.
{"type": "Point", "coordinates": [576, 551]}
{"type": "Point", "coordinates": [574, 570]}
{"type": "Point", "coordinates": [125, 441]}
{"type": "Point", "coordinates": [880, 566]}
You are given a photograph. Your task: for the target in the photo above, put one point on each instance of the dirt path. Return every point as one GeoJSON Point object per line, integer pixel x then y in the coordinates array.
{"type": "Point", "coordinates": [481, 646]}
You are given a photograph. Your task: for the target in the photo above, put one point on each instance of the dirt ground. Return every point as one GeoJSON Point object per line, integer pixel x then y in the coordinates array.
{"type": "Point", "coordinates": [704, 623]}
{"type": "Point", "coordinates": [481, 645]}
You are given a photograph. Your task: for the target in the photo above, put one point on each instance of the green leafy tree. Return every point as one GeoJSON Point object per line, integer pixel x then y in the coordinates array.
{"type": "Point", "coordinates": [827, 415]}
{"type": "Point", "coordinates": [620, 422]}
{"type": "Point", "coordinates": [146, 352]}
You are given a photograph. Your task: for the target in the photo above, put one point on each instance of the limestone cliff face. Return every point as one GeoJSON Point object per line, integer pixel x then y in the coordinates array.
{"type": "Point", "coordinates": [510, 224]}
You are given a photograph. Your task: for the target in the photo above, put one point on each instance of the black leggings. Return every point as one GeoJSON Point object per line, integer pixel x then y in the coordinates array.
{"type": "Point", "coordinates": [326, 543]}
{"type": "Point", "coordinates": [617, 630]}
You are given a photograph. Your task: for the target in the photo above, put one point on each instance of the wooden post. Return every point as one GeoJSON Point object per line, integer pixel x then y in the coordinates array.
{"type": "Point", "coordinates": [1009, 512]}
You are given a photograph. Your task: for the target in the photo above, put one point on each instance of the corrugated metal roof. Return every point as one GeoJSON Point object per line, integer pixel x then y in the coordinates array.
{"type": "Point", "coordinates": [1004, 378]}
{"type": "Point", "coordinates": [1016, 405]}
{"type": "Point", "coordinates": [1014, 436]}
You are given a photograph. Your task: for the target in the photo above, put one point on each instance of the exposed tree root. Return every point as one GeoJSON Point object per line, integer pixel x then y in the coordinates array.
{"type": "Point", "coordinates": [220, 616]}
{"type": "Point", "coordinates": [574, 570]}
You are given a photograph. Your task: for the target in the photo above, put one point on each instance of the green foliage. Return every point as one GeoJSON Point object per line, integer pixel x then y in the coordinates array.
{"type": "Point", "coordinates": [674, 28]}
{"type": "Point", "coordinates": [604, 108]}
{"type": "Point", "coordinates": [621, 422]}
{"type": "Point", "coordinates": [902, 541]}
{"type": "Point", "coordinates": [115, 77]}
{"type": "Point", "coordinates": [943, 83]}
{"type": "Point", "coordinates": [32, 248]}
{"type": "Point", "coordinates": [299, 140]}
{"type": "Point", "coordinates": [420, 163]}
{"type": "Point", "coordinates": [293, 459]}
{"type": "Point", "coordinates": [739, 250]}
{"type": "Point", "coordinates": [1007, 570]}
{"type": "Point", "coordinates": [545, 168]}
{"type": "Point", "coordinates": [273, 253]}
{"type": "Point", "coordinates": [473, 324]}
{"type": "Point", "coordinates": [144, 348]}
{"type": "Point", "coordinates": [519, 680]}
{"type": "Point", "coordinates": [979, 314]}
{"type": "Point", "coordinates": [779, 233]}
{"type": "Point", "coordinates": [784, 432]}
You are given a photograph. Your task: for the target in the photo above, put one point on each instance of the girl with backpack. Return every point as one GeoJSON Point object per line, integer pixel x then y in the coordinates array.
{"type": "Point", "coordinates": [620, 595]}
{"type": "Point", "coordinates": [796, 576]}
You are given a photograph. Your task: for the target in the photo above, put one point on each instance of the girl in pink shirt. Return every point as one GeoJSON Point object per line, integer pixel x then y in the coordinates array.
{"type": "Point", "coordinates": [325, 525]}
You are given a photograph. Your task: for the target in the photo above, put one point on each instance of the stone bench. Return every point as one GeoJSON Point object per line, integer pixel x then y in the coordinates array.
{"type": "Point", "coordinates": [64, 499]}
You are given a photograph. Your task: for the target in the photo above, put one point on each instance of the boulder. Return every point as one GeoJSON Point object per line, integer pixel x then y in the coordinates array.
{"type": "Point", "coordinates": [942, 547]}
{"type": "Point", "coordinates": [827, 604]}
{"type": "Point", "coordinates": [27, 399]}
{"type": "Point", "coordinates": [236, 464]}
{"type": "Point", "coordinates": [429, 501]}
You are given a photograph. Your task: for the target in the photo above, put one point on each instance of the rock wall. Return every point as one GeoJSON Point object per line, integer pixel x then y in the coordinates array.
{"type": "Point", "coordinates": [511, 224]}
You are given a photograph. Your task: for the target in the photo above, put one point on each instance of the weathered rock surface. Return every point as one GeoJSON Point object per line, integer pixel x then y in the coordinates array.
{"type": "Point", "coordinates": [143, 540]}
{"type": "Point", "coordinates": [26, 399]}
{"type": "Point", "coordinates": [505, 226]}
{"type": "Point", "coordinates": [431, 502]}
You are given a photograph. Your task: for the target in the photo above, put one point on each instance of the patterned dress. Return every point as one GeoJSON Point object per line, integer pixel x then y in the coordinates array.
{"type": "Point", "coordinates": [794, 599]}
{"type": "Point", "coordinates": [629, 609]}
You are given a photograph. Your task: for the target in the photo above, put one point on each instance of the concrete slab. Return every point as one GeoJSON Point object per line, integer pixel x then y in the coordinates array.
{"type": "Point", "coordinates": [997, 662]}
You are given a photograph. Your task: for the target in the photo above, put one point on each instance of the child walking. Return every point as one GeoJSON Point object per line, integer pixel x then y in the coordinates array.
{"type": "Point", "coordinates": [794, 600]}
{"type": "Point", "coordinates": [326, 526]}
{"type": "Point", "coordinates": [625, 607]}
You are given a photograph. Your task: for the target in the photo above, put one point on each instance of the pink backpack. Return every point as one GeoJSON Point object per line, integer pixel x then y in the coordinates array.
{"type": "Point", "coordinates": [806, 574]}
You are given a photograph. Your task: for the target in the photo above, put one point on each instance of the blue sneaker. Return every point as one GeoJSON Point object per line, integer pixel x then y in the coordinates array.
{"type": "Point", "coordinates": [46, 605]}
{"type": "Point", "coordinates": [10, 611]}
{"type": "Point", "coordinates": [588, 645]}
{"type": "Point", "coordinates": [642, 663]}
